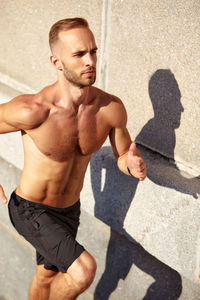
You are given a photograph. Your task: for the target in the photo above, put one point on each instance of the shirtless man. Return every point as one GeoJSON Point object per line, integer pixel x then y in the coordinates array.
{"type": "Point", "coordinates": [61, 127]}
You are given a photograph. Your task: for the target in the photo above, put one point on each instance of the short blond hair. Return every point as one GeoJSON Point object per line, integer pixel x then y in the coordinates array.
{"type": "Point", "coordinates": [64, 25]}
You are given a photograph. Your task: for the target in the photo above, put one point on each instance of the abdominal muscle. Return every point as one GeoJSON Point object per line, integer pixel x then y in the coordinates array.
{"type": "Point", "coordinates": [51, 182]}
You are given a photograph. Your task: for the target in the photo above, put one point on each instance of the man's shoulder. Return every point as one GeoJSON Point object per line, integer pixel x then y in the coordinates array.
{"type": "Point", "coordinates": [106, 97]}
{"type": "Point", "coordinates": [27, 102]}
{"type": "Point", "coordinates": [112, 108]}
{"type": "Point", "coordinates": [28, 110]}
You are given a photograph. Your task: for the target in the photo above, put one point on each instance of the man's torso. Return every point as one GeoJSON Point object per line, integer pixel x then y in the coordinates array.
{"type": "Point", "coordinates": [57, 152]}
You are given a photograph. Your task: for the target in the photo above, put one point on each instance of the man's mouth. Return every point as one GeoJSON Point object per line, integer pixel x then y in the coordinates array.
{"type": "Point", "coordinates": [89, 72]}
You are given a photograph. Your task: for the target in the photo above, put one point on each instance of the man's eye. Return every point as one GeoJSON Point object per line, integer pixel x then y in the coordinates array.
{"type": "Point", "coordinates": [79, 54]}
{"type": "Point", "coordinates": [93, 52]}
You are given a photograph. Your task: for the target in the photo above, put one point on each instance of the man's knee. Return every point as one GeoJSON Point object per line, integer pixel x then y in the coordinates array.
{"type": "Point", "coordinates": [44, 277]}
{"type": "Point", "coordinates": [83, 270]}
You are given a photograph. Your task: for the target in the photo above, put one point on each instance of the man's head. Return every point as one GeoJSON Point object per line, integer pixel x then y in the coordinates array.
{"type": "Point", "coordinates": [64, 25]}
{"type": "Point", "coordinates": [74, 51]}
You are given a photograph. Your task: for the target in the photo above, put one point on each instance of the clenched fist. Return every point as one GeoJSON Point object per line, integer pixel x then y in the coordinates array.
{"type": "Point", "coordinates": [135, 163]}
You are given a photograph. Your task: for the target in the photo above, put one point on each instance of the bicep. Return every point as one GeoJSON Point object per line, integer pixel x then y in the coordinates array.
{"type": "Point", "coordinates": [5, 125]}
{"type": "Point", "coordinates": [21, 114]}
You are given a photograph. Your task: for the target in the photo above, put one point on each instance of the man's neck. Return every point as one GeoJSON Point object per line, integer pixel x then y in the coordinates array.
{"type": "Point", "coordinates": [71, 94]}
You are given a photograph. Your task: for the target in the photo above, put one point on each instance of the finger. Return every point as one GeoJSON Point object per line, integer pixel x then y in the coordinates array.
{"type": "Point", "coordinates": [133, 149]}
{"type": "Point", "coordinates": [137, 174]}
{"type": "Point", "coordinates": [143, 175]}
{"type": "Point", "coordinates": [142, 178]}
{"type": "Point", "coordinates": [3, 196]}
{"type": "Point", "coordinates": [141, 164]}
{"type": "Point", "coordinates": [141, 167]}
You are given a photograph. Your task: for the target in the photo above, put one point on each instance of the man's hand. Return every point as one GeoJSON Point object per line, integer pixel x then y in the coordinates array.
{"type": "Point", "coordinates": [136, 163]}
{"type": "Point", "coordinates": [2, 195]}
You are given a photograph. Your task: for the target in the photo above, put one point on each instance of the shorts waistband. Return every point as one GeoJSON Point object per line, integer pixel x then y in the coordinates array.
{"type": "Point", "coordinates": [17, 199]}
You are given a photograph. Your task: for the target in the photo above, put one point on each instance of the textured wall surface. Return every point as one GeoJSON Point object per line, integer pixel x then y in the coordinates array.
{"type": "Point", "coordinates": [148, 57]}
{"type": "Point", "coordinates": [25, 54]}
{"type": "Point", "coordinates": [135, 39]}
{"type": "Point", "coordinates": [147, 36]}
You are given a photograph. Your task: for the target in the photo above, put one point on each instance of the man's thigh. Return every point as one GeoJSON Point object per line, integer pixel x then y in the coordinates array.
{"type": "Point", "coordinates": [44, 276]}
{"type": "Point", "coordinates": [52, 238]}
{"type": "Point", "coordinates": [83, 268]}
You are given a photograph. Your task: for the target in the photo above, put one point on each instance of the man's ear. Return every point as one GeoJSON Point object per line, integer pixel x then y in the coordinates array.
{"type": "Point", "coordinates": [56, 62]}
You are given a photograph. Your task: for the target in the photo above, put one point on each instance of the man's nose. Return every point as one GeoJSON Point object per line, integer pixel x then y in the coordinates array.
{"type": "Point", "coordinates": [89, 60]}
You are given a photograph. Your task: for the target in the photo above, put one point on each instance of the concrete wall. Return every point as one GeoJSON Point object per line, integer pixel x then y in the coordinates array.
{"type": "Point", "coordinates": [149, 57]}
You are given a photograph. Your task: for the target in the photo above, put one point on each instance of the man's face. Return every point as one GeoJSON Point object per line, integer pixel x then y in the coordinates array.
{"type": "Point", "coordinates": [77, 53]}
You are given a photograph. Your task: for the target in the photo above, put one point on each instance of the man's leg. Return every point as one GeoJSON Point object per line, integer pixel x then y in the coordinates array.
{"type": "Point", "coordinates": [40, 286]}
{"type": "Point", "coordinates": [49, 285]}
{"type": "Point", "coordinates": [76, 280]}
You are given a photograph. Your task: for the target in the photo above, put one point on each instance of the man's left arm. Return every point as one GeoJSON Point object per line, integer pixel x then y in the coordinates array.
{"type": "Point", "coordinates": [128, 157]}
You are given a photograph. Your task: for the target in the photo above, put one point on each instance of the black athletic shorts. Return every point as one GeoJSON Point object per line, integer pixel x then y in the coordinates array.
{"type": "Point", "coordinates": [51, 231]}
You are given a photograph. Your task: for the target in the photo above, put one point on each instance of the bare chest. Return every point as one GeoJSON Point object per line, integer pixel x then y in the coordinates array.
{"type": "Point", "coordinates": [62, 134]}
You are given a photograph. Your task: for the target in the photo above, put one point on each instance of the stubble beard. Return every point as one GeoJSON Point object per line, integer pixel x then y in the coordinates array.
{"type": "Point", "coordinates": [76, 80]}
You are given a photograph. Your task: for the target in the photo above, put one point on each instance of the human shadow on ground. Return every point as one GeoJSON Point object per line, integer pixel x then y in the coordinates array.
{"type": "Point", "coordinates": [113, 198]}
